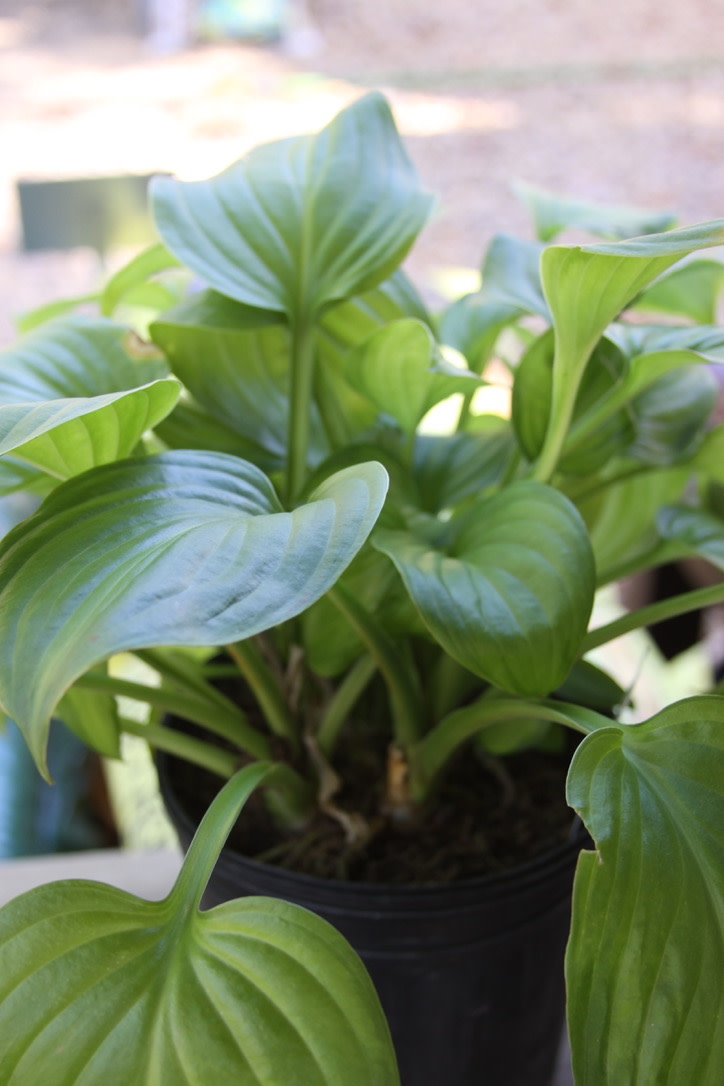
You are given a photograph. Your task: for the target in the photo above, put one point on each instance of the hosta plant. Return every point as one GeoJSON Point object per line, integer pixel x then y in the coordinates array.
{"type": "Point", "coordinates": [263, 454]}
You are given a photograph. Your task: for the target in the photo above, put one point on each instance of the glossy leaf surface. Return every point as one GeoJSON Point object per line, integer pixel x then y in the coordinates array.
{"type": "Point", "coordinates": [303, 222]}
{"type": "Point", "coordinates": [509, 592]}
{"type": "Point", "coordinates": [73, 395]}
{"type": "Point", "coordinates": [100, 986]}
{"type": "Point", "coordinates": [645, 982]}
{"type": "Point", "coordinates": [178, 549]}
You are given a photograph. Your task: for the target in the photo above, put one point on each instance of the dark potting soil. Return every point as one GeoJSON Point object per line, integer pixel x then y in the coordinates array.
{"type": "Point", "coordinates": [486, 816]}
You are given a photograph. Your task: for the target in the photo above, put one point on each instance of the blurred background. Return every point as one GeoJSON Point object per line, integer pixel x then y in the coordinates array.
{"type": "Point", "coordinates": [620, 102]}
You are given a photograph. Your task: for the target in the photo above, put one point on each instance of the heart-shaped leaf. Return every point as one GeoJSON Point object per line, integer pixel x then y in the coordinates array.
{"type": "Point", "coordinates": [183, 548]}
{"type": "Point", "coordinates": [74, 395]}
{"type": "Point", "coordinates": [284, 229]}
{"type": "Point", "coordinates": [510, 594]}
{"type": "Point", "coordinates": [400, 369]}
{"type": "Point", "coordinates": [100, 986]}
{"type": "Point", "coordinates": [644, 964]}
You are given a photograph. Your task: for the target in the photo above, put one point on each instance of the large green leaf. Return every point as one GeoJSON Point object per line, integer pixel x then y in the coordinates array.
{"type": "Point", "coordinates": [100, 986]}
{"type": "Point", "coordinates": [74, 394]}
{"type": "Point", "coordinates": [183, 548]}
{"type": "Point", "coordinates": [509, 592]}
{"type": "Point", "coordinates": [235, 363]}
{"type": "Point", "coordinates": [644, 964]}
{"type": "Point", "coordinates": [586, 288]}
{"type": "Point", "coordinates": [401, 370]}
{"type": "Point", "coordinates": [303, 222]}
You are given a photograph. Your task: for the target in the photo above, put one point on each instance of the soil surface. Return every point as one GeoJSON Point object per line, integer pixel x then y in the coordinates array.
{"type": "Point", "coordinates": [488, 815]}
{"type": "Point", "coordinates": [622, 103]}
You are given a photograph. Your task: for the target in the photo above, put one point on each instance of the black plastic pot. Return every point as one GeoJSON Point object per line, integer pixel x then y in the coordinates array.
{"type": "Point", "coordinates": [470, 974]}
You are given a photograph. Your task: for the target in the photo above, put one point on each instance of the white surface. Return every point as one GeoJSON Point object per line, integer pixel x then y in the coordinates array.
{"type": "Point", "coordinates": [147, 874]}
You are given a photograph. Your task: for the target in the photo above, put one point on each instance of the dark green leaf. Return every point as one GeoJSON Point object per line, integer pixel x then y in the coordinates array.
{"type": "Point", "coordinates": [695, 531]}
{"type": "Point", "coordinates": [645, 982]}
{"type": "Point", "coordinates": [510, 595]}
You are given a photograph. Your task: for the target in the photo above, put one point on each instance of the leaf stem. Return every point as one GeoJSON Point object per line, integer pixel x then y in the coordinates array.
{"type": "Point", "coordinates": [221, 762]}
{"type": "Point", "coordinates": [302, 384]}
{"type": "Point", "coordinates": [651, 614]}
{"type": "Point", "coordinates": [399, 676]}
{"type": "Point", "coordinates": [344, 698]}
{"type": "Point", "coordinates": [430, 756]}
{"type": "Point", "coordinates": [265, 689]}
{"type": "Point", "coordinates": [228, 725]}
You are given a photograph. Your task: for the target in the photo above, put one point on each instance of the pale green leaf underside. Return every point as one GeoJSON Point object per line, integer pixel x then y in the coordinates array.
{"type": "Point", "coordinates": [183, 548]}
{"type": "Point", "coordinates": [511, 600]}
{"type": "Point", "coordinates": [284, 229]}
{"type": "Point", "coordinates": [76, 393]}
{"type": "Point", "coordinates": [645, 977]}
{"type": "Point", "coordinates": [100, 986]}
{"type": "Point", "coordinates": [65, 437]}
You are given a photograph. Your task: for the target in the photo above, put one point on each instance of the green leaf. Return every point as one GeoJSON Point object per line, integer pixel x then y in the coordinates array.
{"type": "Point", "coordinates": [472, 326]}
{"type": "Point", "coordinates": [644, 964]}
{"type": "Point", "coordinates": [709, 457]}
{"type": "Point", "coordinates": [449, 469]}
{"type": "Point", "coordinates": [235, 363]}
{"type": "Point", "coordinates": [695, 531]}
{"type": "Point", "coordinates": [138, 271]}
{"type": "Point", "coordinates": [510, 593]}
{"type": "Point", "coordinates": [552, 214]}
{"type": "Point", "coordinates": [607, 436]}
{"type": "Point", "coordinates": [621, 517]}
{"type": "Point", "coordinates": [61, 307]}
{"type": "Point", "coordinates": [400, 369]}
{"type": "Point", "coordinates": [72, 395]}
{"type": "Point", "coordinates": [183, 548]}
{"type": "Point", "coordinates": [347, 414]}
{"type": "Point", "coordinates": [511, 276]}
{"type": "Point", "coordinates": [641, 339]}
{"type": "Point", "coordinates": [690, 291]}
{"type": "Point", "coordinates": [596, 283]}
{"type": "Point", "coordinates": [100, 986]}
{"type": "Point", "coordinates": [284, 229]}
{"type": "Point", "coordinates": [670, 415]}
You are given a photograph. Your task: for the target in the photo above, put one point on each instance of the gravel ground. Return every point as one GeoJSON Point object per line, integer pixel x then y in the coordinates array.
{"type": "Point", "coordinates": [626, 107]}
